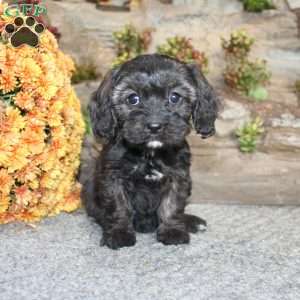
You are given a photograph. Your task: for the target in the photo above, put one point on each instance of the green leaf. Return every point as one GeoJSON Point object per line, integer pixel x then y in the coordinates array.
{"type": "Point", "coordinates": [259, 93]}
{"type": "Point", "coordinates": [87, 121]}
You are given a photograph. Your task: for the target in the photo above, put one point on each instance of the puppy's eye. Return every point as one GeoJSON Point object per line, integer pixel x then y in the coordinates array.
{"type": "Point", "coordinates": [133, 99]}
{"type": "Point", "coordinates": [174, 98]}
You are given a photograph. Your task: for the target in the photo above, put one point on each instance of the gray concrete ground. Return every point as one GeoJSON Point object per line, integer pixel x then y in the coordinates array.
{"type": "Point", "coordinates": [248, 252]}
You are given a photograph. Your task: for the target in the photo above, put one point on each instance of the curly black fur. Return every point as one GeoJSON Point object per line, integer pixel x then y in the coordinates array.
{"type": "Point", "coordinates": [142, 178]}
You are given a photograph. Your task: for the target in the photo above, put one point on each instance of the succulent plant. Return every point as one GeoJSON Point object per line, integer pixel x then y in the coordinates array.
{"type": "Point", "coordinates": [249, 78]}
{"type": "Point", "coordinates": [239, 44]}
{"type": "Point", "coordinates": [242, 74]}
{"type": "Point", "coordinates": [248, 135]}
{"type": "Point", "coordinates": [130, 43]}
{"type": "Point", "coordinates": [84, 71]}
{"type": "Point", "coordinates": [257, 5]}
{"type": "Point", "coordinates": [182, 49]}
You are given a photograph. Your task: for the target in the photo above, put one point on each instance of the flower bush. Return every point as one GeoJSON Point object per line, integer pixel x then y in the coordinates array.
{"type": "Point", "coordinates": [41, 130]}
{"type": "Point", "coordinates": [242, 74]}
{"type": "Point", "coordinates": [182, 49]}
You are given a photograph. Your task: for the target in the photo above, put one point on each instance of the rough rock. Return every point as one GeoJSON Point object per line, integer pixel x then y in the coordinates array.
{"type": "Point", "coordinates": [282, 139]}
{"type": "Point", "coordinates": [282, 91]}
{"type": "Point", "coordinates": [230, 7]}
{"type": "Point", "coordinates": [232, 116]}
{"type": "Point", "coordinates": [233, 111]}
{"type": "Point", "coordinates": [294, 4]}
{"type": "Point", "coordinates": [224, 175]}
{"type": "Point", "coordinates": [86, 36]}
{"type": "Point", "coordinates": [286, 120]}
{"type": "Point", "coordinates": [204, 21]}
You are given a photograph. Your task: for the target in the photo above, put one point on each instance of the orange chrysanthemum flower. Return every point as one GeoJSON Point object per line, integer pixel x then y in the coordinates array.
{"type": "Point", "coordinates": [10, 59]}
{"type": "Point", "coordinates": [5, 151]}
{"type": "Point", "coordinates": [4, 204]}
{"type": "Point", "coordinates": [23, 196]}
{"type": "Point", "coordinates": [8, 81]}
{"type": "Point", "coordinates": [28, 174]}
{"type": "Point", "coordinates": [46, 88]}
{"type": "Point", "coordinates": [24, 100]}
{"type": "Point", "coordinates": [34, 141]}
{"type": "Point", "coordinates": [18, 158]}
{"type": "Point", "coordinates": [6, 181]}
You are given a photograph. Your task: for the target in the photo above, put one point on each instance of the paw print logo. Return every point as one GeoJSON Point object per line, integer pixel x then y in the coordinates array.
{"type": "Point", "coordinates": [24, 31]}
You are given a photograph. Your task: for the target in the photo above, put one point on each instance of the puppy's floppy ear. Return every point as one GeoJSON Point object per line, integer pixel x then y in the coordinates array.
{"type": "Point", "coordinates": [205, 107]}
{"type": "Point", "coordinates": [101, 110]}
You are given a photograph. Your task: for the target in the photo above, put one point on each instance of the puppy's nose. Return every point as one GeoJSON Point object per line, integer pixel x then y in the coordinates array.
{"type": "Point", "coordinates": [207, 132]}
{"type": "Point", "coordinates": [154, 127]}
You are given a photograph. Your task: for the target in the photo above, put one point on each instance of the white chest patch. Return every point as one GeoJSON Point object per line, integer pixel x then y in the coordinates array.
{"type": "Point", "coordinates": [154, 176]}
{"type": "Point", "coordinates": [154, 144]}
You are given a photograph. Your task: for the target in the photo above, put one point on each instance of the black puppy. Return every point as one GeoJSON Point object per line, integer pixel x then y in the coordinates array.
{"type": "Point", "coordinates": [142, 110]}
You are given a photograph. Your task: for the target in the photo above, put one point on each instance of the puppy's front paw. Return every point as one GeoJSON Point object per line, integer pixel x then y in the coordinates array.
{"type": "Point", "coordinates": [173, 236]}
{"type": "Point", "coordinates": [118, 238]}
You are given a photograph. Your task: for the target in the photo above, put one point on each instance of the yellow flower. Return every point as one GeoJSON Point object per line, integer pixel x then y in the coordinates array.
{"type": "Point", "coordinates": [18, 158]}
{"type": "Point", "coordinates": [48, 42]}
{"type": "Point", "coordinates": [6, 182]}
{"type": "Point", "coordinates": [46, 87]}
{"type": "Point", "coordinates": [10, 59]}
{"type": "Point", "coordinates": [35, 117]}
{"type": "Point", "coordinates": [24, 52]}
{"type": "Point", "coordinates": [41, 104]}
{"type": "Point", "coordinates": [48, 182]}
{"type": "Point", "coordinates": [33, 138]}
{"type": "Point", "coordinates": [71, 202]}
{"type": "Point", "coordinates": [49, 162]}
{"type": "Point", "coordinates": [29, 173]}
{"type": "Point", "coordinates": [5, 151]}
{"type": "Point", "coordinates": [2, 56]}
{"type": "Point", "coordinates": [14, 121]}
{"type": "Point", "coordinates": [8, 81]}
{"type": "Point", "coordinates": [23, 196]}
{"type": "Point", "coordinates": [34, 184]}
{"type": "Point", "coordinates": [29, 71]}
{"type": "Point", "coordinates": [58, 147]}
{"type": "Point", "coordinates": [24, 100]}
{"type": "Point", "coordinates": [54, 119]}
{"type": "Point", "coordinates": [47, 62]}
{"type": "Point", "coordinates": [4, 203]}
{"type": "Point", "coordinates": [40, 211]}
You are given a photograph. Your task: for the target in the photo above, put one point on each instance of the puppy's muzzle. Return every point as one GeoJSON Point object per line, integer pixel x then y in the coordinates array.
{"type": "Point", "coordinates": [207, 132]}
